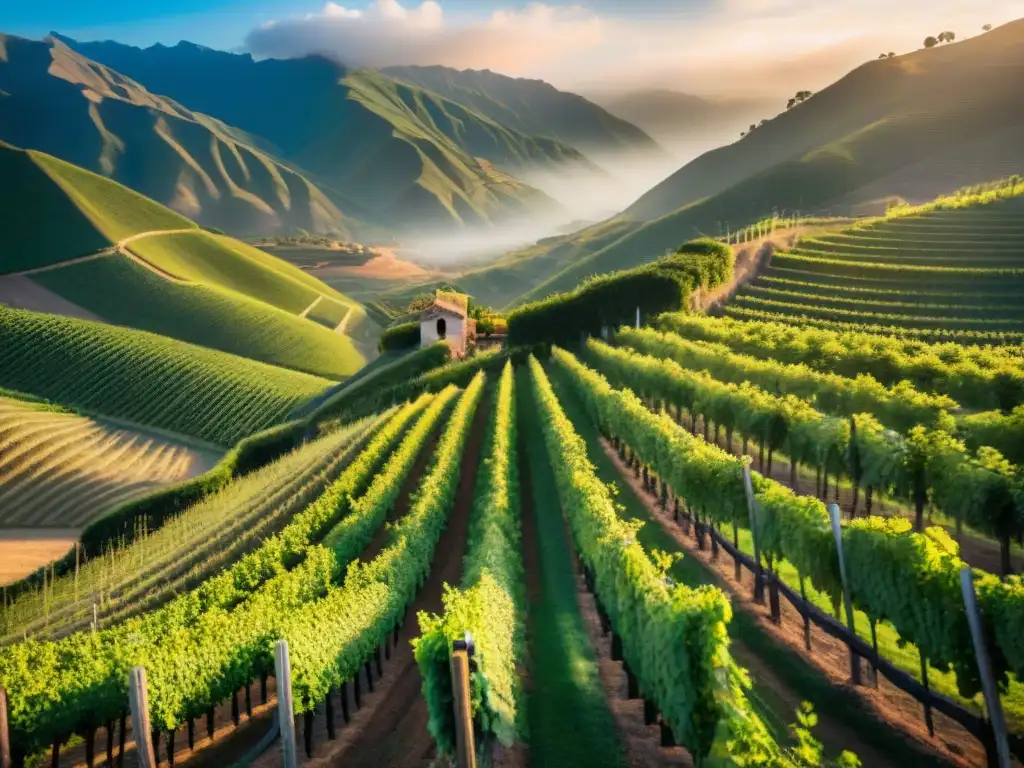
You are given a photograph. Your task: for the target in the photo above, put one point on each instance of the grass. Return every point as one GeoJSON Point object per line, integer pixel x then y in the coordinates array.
{"type": "Point", "coordinates": [568, 719]}
{"type": "Point", "coordinates": [114, 210]}
{"type": "Point", "coordinates": [28, 200]}
{"type": "Point", "coordinates": [802, 679]}
{"type": "Point", "coordinates": [146, 379]}
{"type": "Point", "coordinates": [194, 545]}
{"type": "Point", "coordinates": [60, 469]}
{"type": "Point", "coordinates": [125, 293]}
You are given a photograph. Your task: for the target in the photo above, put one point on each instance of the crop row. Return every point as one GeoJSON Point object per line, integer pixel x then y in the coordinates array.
{"type": "Point", "coordinates": [910, 579]}
{"type": "Point", "coordinates": [57, 688]}
{"type": "Point", "coordinates": [926, 335]}
{"type": "Point", "coordinates": [939, 320]}
{"type": "Point", "coordinates": [194, 544]}
{"type": "Point", "coordinates": [144, 378]}
{"type": "Point", "coordinates": [891, 292]}
{"type": "Point", "coordinates": [899, 407]}
{"type": "Point", "coordinates": [976, 377]}
{"type": "Point", "coordinates": [984, 308]}
{"type": "Point", "coordinates": [926, 274]}
{"type": "Point", "coordinates": [981, 488]}
{"type": "Point", "coordinates": [674, 638]}
{"type": "Point", "coordinates": [490, 603]}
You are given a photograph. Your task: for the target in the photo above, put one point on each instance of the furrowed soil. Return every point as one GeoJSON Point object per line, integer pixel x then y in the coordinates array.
{"type": "Point", "coordinates": [23, 550]}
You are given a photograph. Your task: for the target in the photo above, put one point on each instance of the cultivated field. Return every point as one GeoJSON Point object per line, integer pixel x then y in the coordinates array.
{"type": "Point", "coordinates": [146, 379]}
{"type": "Point", "coordinates": [943, 274]}
{"type": "Point", "coordinates": [62, 470]}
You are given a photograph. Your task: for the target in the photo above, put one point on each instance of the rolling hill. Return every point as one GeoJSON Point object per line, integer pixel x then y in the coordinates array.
{"type": "Point", "coordinates": [410, 157]}
{"type": "Point", "coordinates": [129, 261]}
{"type": "Point", "coordinates": [927, 122]}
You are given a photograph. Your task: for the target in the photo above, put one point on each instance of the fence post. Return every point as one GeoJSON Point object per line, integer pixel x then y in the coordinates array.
{"type": "Point", "coordinates": [5, 734]}
{"type": "Point", "coordinates": [138, 701]}
{"type": "Point", "coordinates": [465, 750]}
{"type": "Point", "coordinates": [988, 682]}
{"type": "Point", "coordinates": [285, 714]}
{"type": "Point", "coordinates": [837, 533]}
{"type": "Point", "coordinates": [751, 509]}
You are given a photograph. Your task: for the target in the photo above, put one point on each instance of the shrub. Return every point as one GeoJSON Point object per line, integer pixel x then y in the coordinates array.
{"type": "Point", "coordinates": [612, 300]}
{"type": "Point", "coordinates": [401, 336]}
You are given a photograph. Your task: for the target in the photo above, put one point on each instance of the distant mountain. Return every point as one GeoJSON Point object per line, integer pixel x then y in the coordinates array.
{"type": "Point", "coordinates": [883, 116]}
{"type": "Point", "coordinates": [684, 123]}
{"type": "Point", "coordinates": [376, 150]}
{"type": "Point", "coordinates": [59, 102]}
{"type": "Point", "coordinates": [532, 107]}
{"type": "Point", "coordinates": [917, 125]}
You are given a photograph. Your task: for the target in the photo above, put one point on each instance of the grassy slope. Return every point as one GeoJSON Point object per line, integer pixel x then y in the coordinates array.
{"type": "Point", "coordinates": [198, 166]}
{"type": "Point", "coordinates": [146, 379]}
{"type": "Point", "coordinates": [224, 308]}
{"type": "Point", "coordinates": [914, 110]}
{"type": "Point", "coordinates": [568, 719]}
{"type": "Point", "coordinates": [125, 293]}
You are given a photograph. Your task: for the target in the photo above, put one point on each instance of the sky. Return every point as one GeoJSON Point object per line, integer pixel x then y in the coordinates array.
{"type": "Point", "coordinates": [729, 48]}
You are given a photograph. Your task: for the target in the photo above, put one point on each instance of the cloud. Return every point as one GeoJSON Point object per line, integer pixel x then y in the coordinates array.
{"type": "Point", "coordinates": [388, 33]}
{"type": "Point", "coordinates": [719, 47]}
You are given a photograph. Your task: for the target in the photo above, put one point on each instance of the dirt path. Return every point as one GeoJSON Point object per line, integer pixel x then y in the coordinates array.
{"type": "Point", "coordinates": [390, 730]}
{"type": "Point", "coordinates": [952, 745]}
{"type": "Point", "coordinates": [121, 246]}
{"type": "Point", "coordinates": [311, 307]}
{"type": "Point", "coordinates": [340, 329]}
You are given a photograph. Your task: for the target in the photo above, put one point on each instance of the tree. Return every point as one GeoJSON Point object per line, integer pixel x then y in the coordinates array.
{"type": "Point", "coordinates": [892, 55]}
{"type": "Point", "coordinates": [987, 28]}
{"type": "Point", "coordinates": [947, 37]}
{"type": "Point", "coordinates": [930, 42]}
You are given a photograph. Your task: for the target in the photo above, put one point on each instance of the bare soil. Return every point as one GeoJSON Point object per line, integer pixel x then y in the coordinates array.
{"type": "Point", "coordinates": [829, 656]}
{"type": "Point", "coordinates": [23, 550]}
{"type": "Point", "coordinates": [384, 265]}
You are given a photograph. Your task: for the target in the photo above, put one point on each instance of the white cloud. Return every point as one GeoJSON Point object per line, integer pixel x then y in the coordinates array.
{"type": "Point", "coordinates": [734, 47]}
{"type": "Point", "coordinates": [390, 33]}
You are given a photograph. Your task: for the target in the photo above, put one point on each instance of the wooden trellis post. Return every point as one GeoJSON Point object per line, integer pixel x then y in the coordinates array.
{"type": "Point", "coordinates": [285, 713]}
{"type": "Point", "coordinates": [465, 750]}
{"type": "Point", "coordinates": [837, 533]}
{"type": "Point", "coordinates": [751, 509]}
{"type": "Point", "coordinates": [993, 703]}
{"type": "Point", "coordinates": [138, 701]}
{"type": "Point", "coordinates": [5, 733]}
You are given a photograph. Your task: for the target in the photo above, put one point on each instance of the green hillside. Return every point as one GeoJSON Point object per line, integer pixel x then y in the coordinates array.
{"type": "Point", "coordinates": [954, 273]}
{"type": "Point", "coordinates": [61, 103]}
{"type": "Point", "coordinates": [391, 152]}
{"type": "Point", "coordinates": [146, 379]}
{"type": "Point", "coordinates": [190, 285]}
{"type": "Point", "coordinates": [125, 293]}
{"type": "Point", "coordinates": [530, 106]}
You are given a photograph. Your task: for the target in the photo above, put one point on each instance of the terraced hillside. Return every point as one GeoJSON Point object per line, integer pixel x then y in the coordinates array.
{"type": "Point", "coordinates": [125, 259]}
{"type": "Point", "coordinates": [946, 273]}
{"type": "Point", "coordinates": [146, 379]}
{"type": "Point", "coordinates": [60, 469]}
